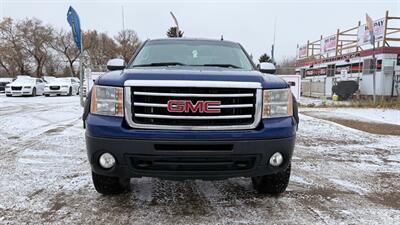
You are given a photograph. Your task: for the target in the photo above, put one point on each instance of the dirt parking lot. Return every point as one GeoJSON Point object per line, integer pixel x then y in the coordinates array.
{"type": "Point", "coordinates": [340, 175]}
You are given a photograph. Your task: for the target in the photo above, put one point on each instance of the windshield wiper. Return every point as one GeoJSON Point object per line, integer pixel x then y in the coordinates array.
{"type": "Point", "coordinates": [160, 64]}
{"type": "Point", "coordinates": [224, 65]}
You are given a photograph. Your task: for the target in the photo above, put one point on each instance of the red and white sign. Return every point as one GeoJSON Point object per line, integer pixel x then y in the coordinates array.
{"type": "Point", "coordinates": [302, 51]}
{"type": "Point", "coordinates": [186, 106]}
{"type": "Point", "coordinates": [328, 44]}
{"type": "Point", "coordinates": [363, 36]}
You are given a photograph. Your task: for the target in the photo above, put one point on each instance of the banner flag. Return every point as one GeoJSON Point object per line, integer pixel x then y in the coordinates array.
{"type": "Point", "coordinates": [73, 20]}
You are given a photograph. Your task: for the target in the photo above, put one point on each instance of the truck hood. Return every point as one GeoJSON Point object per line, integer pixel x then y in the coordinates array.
{"type": "Point", "coordinates": [117, 78]}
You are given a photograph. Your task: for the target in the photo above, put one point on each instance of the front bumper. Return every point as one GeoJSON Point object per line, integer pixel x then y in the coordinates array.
{"type": "Point", "coordinates": [61, 91]}
{"type": "Point", "coordinates": [178, 160]}
{"type": "Point", "coordinates": [180, 155]}
{"type": "Point", "coordinates": [22, 92]}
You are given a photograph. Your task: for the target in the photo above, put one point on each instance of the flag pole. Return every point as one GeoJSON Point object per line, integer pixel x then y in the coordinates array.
{"type": "Point", "coordinates": [81, 76]}
{"type": "Point", "coordinates": [74, 22]}
{"type": "Point", "coordinates": [370, 25]}
{"type": "Point", "coordinates": [374, 72]}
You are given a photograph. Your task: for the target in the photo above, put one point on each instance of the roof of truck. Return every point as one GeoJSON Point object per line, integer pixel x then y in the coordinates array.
{"type": "Point", "coordinates": [192, 39]}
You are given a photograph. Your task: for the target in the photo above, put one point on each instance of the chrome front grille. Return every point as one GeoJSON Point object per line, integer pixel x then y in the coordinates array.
{"type": "Point", "coordinates": [239, 104]}
{"type": "Point", "coordinates": [16, 88]}
{"type": "Point", "coordinates": [54, 87]}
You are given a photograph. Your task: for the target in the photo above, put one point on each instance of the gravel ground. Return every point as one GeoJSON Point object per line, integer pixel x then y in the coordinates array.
{"type": "Point", "coordinates": [340, 175]}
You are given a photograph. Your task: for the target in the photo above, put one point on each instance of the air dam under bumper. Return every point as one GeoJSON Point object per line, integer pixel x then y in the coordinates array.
{"type": "Point", "coordinates": [194, 159]}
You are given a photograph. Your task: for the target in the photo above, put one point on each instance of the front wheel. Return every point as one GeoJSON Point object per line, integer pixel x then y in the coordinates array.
{"type": "Point", "coordinates": [70, 91]}
{"type": "Point", "coordinates": [34, 92]}
{"type": "Point", "coordinates": [109, 185]}
{"type": "Point", "coordinates": [272, 184]}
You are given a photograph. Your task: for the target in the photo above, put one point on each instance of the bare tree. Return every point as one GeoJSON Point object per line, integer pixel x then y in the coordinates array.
{"type": "Point", "coordinates": [54, 65]}
{"type": "Point", "coordinates": [13, 57]}
{"type": "Point", "coordinates": [28, 46]}
{"type": "Point", "coordinates": [99, 47]}
{"type": "Point", "coordinates": [128, 42]}
{"type": "Point", "coordinates": [36, 39]}
{"type": "Point", "coordinates": [64, 45]}
{"type": "Point", "coordinates": [286, 66]}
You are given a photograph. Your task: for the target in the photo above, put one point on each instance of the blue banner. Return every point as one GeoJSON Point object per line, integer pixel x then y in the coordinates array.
{"type": "Point", "coordinates": [73, 20]}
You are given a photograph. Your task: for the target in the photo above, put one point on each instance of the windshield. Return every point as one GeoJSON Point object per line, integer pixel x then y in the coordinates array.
{"type": "Point", "coordinates": [192, 53]}
{"type": "Point", "coordinates": [64, 80]}
{"type": "Point", "coordinates": [24, 80]}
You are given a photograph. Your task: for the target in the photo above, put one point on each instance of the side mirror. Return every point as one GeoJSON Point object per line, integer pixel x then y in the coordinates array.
{"type": "Point", "coordinates": [266, 67]}
{"type": "Point", "coordinates": [116, 64]}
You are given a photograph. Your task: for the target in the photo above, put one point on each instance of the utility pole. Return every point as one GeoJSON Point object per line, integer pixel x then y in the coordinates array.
{"type": "Point", "coordinates": [273, 44]}
{"type": "Point", "coordinates": [123, 18]}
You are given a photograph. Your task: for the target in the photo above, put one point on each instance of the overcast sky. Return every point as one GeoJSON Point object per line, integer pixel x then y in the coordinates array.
{"type": "Point", "coordinates": [248, 22]}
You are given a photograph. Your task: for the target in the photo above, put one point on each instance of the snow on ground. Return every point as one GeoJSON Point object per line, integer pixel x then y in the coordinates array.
{"type": "Point", "coordinates": [376, 115]}
{"type": "Point", "coordinates": [308, 101]}
{"type": "Point", "coordinates": [339, 176]}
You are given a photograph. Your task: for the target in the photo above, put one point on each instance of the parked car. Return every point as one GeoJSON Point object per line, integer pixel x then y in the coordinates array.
{"type": "Point", "coordinates": [25, 86]}
{"type": "Point", "coordinates": [62, 86]}
{"type": "Point", "coordinates": [3, 83]}
{"type": "Point", "coordinates": [76, 79]}
{"type": "Point", "coordinates": [48, 79]}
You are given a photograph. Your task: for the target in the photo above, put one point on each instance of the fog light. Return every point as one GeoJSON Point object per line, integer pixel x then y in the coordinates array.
{"type": "Point", "coordinates": [276, 159]}
{"type": "Point", "coordinates": [107, 160]}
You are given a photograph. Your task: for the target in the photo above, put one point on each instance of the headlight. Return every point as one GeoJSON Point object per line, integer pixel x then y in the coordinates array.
{"type": "Point", "coordinates": [107, 101]}
{"type": "Point", "coordinates": [64, 86]}
{"type": "Point", "coordinates": [27, 87]}
{"type": "Point", "coordinates": [277, 103]}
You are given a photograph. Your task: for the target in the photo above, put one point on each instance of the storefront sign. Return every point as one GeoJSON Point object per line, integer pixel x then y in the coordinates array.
{"type": "Point", "coordinates": [302, 51]}
{"type": "Point", "coordinates": [363, 36]}
{"type": "Point", "coordinates": [328, 44]}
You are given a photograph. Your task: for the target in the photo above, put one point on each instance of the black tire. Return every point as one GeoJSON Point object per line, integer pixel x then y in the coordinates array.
{"type": "Point", "coordinates": [46, 95]}
{"type": "Point", "coordinates": [34, 92]}
{"type": "Point", "coordinates": [70, 91]}
{"type": "Point", "coordinates": [344, 97]}
{"type": "Point", "coordinates": [272, 184]}
{"type": "Point", "coordinates": [295, 110]}
{"type": "Point", "coordinates": [109, 185]}
{"type": "Point", "coordinates": [8, 95]}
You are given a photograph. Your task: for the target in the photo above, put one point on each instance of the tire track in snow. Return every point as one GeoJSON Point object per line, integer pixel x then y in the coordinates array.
{"type": "Point", "coordinates": [232, 200]}
{"type": "Point", "coordinates": [143, 189]}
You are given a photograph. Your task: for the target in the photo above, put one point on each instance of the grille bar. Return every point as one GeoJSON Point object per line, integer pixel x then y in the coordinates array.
{"type": "Point", "coordinates": [211, 107]}
{"type": "Point", "coordinates": [192, 94]}
{"type": "Point", "coordinates": [16, 88]}
{"type": "Point", "coordinates": [192, 117]}
{"type": "Point", "coordinates": [146, 104]}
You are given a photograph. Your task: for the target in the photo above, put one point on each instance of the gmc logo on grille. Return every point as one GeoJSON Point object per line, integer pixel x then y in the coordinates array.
{"type": "Point", "coordinates": [188, 106]}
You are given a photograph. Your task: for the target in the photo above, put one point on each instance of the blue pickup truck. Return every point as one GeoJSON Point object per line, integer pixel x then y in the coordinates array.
{"type": "Point", "coordinates": [190, 109]}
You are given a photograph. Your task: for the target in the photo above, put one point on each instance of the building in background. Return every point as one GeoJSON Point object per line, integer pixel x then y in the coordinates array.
{"type": "Point", "coordinates": [346, 61]}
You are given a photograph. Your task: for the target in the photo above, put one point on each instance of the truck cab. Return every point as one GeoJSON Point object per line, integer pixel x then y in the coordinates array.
{"type": "Point", "coordinates": [190, 109]}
